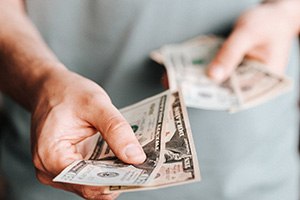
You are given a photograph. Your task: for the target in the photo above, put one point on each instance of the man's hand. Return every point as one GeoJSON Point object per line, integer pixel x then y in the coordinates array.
{"type": "Point", "coordinates": [66, 108]}
{"type": "Point", "coordinates": [69, 109]}
{"type": "Point", "coordinates": [264, 33]}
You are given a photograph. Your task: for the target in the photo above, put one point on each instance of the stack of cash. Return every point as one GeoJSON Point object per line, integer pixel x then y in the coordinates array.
{"type": "Point", "coordinates": [162, 127]}
{"type": "Point", "coordinates": [161, 124]}
{"type": "Point", "coordinates": [249, 85]}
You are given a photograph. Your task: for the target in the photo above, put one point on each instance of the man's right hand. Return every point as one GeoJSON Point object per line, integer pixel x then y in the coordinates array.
{"type": "Point", "coordinates": [69, 109]}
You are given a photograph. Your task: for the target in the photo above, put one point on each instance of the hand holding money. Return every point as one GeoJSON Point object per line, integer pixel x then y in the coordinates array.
{"type": "Point", "coordinates": [263, 33]}
{"type": "Point", "coordinates": [70, 110]}
{"type": "Point", "coordinates": [161, 125]}
{"type": "Point", "coordinates": [250, 84]}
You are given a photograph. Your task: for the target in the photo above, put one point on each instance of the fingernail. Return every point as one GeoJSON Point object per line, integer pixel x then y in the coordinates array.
{"type": "Point", "coordinates": [135, 154]}
{"type": "Point", "coordinates": [217, 73]}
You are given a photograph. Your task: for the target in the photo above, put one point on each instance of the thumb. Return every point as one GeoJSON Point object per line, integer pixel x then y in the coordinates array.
{"type": "Point", "coordinates": [117, 132]}
{"type": "Point", "coordinates": [229, 56]}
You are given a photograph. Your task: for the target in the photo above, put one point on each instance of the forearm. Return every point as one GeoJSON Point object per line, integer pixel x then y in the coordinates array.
{"type": "Point", "coordinates": [25, 60]}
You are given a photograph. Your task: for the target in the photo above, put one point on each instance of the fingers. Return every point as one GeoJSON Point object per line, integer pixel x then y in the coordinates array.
{"type": "Point", "coordinates": [70, 119]}
{"type": "Point", "coordinates": [55, 157]}
{"type": "Point", "coordinates": [230, 55]}
{"type": "Point", "coordinates": [165, 81]}
{"type": "Point", "coordinates": [117, 132]}
{"type": "Point", "coordinates": [94, 193]}
{"type": "Point", "coordinates": [87, 192]}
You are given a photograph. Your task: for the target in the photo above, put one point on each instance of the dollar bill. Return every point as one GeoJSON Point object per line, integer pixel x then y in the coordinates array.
{"type": "Point", "coordinates": [180, 165]}
{"type": "Point", "coordinates": [161, 126]}
{"type": "Point", "coordinates": [103, 168]}
{"type": "Point", "coordinates": [210, 44]}
{"type": "Point", "coordinates": [254, 84]}
{"type": "Point", "coordinates": [186, 64]}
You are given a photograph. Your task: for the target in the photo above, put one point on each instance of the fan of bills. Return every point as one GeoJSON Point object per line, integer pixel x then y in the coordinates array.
{"type": "Point", "coordinates": [161, 123]}
{"type": "Point", "coordinates": [249, 85]}
{"type": "Point", "coordinates": [162, 127]}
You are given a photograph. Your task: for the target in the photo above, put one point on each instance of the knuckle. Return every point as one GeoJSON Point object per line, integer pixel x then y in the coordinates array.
{"type": "Point", "coordinates": [93, 102]}
{"type": "Point", "coordinates": [96, 193]}
{"type": "Point", "coordinates": [113, 124]}
{"type": "Point", "coordinates": [84, 193]}
{"type": "Point", "coordinates": [36, 162]}
{"type": "Point", "coordinates": [45, 161]}
{"type": "Point", "coordinates": [90, 194]}
{"type": "Point", "coordinates": [96, 98]}
{"type": "Point", "coordinates": [40, 177]}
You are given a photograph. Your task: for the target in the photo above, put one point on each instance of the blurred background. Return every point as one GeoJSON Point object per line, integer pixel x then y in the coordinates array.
{"type": "Point", "coordinates": [3, 186]}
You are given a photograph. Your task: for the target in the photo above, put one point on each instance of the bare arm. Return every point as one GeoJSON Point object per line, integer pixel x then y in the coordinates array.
{"type": "Point", "coordinates": [25, 60]}
{"type": "Point", "coordinates": [66, 107]}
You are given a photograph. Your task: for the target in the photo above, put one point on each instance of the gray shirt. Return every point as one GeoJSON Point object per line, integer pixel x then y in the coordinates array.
{"type": "Point", "coordinates": [248, 155]}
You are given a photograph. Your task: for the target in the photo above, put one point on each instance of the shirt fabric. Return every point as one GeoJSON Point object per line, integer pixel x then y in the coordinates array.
{"type": "Point", "coordinates": [248, 155]}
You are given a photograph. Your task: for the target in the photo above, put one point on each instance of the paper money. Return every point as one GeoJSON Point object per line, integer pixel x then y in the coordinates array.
{"type": "Point", "coordinates": [161, 125]}
{"type": "Point", "coordinates": [186, 65]}
{"type": "Point", "coordinates": [180, 165]}
{"type": "Point", "coordinates": [254, 84]}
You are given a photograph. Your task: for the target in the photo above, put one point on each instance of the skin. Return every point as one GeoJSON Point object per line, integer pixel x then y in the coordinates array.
{"type": "Point", "coordinates": [32, 75]}
{"type": "Point", "coordinates": [264, 33]}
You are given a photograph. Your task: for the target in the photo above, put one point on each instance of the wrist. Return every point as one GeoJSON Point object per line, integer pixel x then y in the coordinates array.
{"type": "Point", "coordinates": [48, 78]}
